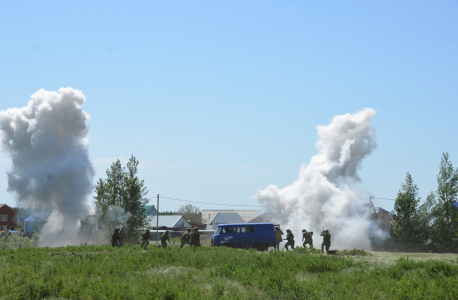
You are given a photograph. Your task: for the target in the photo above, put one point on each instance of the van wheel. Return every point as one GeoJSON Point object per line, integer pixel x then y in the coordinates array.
{"type": "Point", "coordinates": [262, 247]}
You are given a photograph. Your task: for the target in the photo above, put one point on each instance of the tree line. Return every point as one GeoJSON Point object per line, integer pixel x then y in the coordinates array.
{"type": "Point", "coordinates": [121, 200]}
{"type": "Point", "coordinates": [433, 225]}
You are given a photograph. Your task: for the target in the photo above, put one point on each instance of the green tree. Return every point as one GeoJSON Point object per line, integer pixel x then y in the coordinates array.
{"type": "Point", "coordinates": [405, 228]}
{"type": "Point", "coordinates": [445, 215]}
{"type": "Point", "coordinates": [122, 188]}
{"type": "Point", "coordinates": [191, 212]}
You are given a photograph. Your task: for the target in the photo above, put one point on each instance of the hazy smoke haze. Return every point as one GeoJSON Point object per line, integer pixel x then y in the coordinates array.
{"type": "Point", "coordinates": [48, 146]}
{"type": "Point", "coordinates": [326, 194]}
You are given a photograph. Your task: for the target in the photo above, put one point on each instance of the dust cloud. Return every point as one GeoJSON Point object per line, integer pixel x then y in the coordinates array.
{"type": "Point", "coordinates": [326, 194]}
{"type": "Point", "coordinates": [47, 142]}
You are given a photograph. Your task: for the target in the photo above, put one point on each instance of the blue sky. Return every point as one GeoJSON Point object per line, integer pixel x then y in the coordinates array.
{"type": "Point", "coordinates": [219, 99]}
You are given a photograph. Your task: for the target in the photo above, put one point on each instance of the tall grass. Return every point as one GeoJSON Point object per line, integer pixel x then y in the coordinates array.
{"type": "Point", "coordinates": [103, 272]}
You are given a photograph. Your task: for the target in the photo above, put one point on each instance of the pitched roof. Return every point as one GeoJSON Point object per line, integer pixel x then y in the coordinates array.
{"type": "Point", "coordinates": [170, 221]}
{"type": "Point", "coordinates": [33, 218]}
{"type": "Point", "coordinates": [264, 218]}
{"type": "Point", "coordinates": [150, 210]}
{"type": "Point", "coordinates": [229, 218]}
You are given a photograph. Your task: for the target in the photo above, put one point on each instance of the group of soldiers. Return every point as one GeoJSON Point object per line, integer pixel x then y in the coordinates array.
{"type": "Point", "coordinates": [306, 239]}
{"type": "Point", "coordinates": [193, 238]}
{"type": "Point", "coordinates": [189, 237]}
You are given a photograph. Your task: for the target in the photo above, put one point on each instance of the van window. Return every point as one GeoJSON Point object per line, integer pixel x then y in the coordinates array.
{"type": "Point", "coordinates": [218, 230]}
{"type": "Point", "coordinates": [237, 229]}
{"type": "Point", "coordinates": [227, 230]}
{"type": "Point", "coordinates": [246, 229]}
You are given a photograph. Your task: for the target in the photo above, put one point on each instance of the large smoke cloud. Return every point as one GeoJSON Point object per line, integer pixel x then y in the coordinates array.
{"type": "Point", "coordinates": [47, 143]}
{"type": "Point", "coordinates": [325, 194]}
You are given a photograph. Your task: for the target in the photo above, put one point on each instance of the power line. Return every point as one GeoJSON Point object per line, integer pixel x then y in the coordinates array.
{"type": "Point", "coordinates": [209, 203]}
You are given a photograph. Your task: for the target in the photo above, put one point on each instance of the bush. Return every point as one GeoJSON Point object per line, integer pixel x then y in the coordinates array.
{"type": "Point", "coordinates": [15, 241]}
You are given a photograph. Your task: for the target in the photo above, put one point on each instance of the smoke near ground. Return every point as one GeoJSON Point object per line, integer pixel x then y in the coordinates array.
{"type": "Point", "coordinates": [47, 143]}
{"type": "Point", "coordinates": [326, 194]}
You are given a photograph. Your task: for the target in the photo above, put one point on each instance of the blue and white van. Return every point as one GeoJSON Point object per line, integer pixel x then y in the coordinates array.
{"type": "Point", "coordinates": [245, 235]}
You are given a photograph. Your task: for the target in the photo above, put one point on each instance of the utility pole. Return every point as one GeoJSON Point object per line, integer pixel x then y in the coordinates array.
{"type": "Point", "coordinates": [157, 219]}
{"type": "Point", "coordinates": [370, 208]}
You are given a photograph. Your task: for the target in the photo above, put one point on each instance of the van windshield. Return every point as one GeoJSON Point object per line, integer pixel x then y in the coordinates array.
{"type": "Point", "coordinates": [218, 230]}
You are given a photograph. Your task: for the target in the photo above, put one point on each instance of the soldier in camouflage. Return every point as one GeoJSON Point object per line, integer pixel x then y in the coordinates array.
{"type": "Point", "coordinates": [195, 237]}
{"type": "Point", "coordinates": [289, 239]}
{"type": "Point", "coordinates": [307, 238]}
{"type": "Point", "coordinates": [145, 238]}
{"type": "Point", "coordinates": [115, 237]}
{"type": "Point", "coordinates": [185, 238]}
{"type": "Point", "coordinates": [326, 241]}
{"type": "Point", "coordinates": [164, 239]}
{"type": "Point", "coordinates": [278, 234]}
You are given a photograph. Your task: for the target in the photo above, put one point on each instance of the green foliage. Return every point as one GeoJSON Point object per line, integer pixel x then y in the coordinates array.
{"type": "Point", "coordinates": [122, 188]}
{"type": "Point", "coordinates": [15, 241]}
{"type": "Point", "coordinates": [405, 227]}
{"type": "Point", "coordinates": [353, 252]}
{"type": "Point", "coordinates": [432, 226]}
{"type": "Point", "coordinates": [445, 215]}
{"type": "Point", "coordinates": [191, 212]}
{"type": "Point", "coordinates": [103, 272]}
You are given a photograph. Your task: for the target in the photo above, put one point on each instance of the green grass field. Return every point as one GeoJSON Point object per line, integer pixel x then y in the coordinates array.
{"type": "Point", "coordinates": [103, 272]}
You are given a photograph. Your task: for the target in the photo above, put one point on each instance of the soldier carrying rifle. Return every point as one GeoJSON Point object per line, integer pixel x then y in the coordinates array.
{"type": "Point", "coordinates": [326, 240]}
{"type": "Point", "coordinates": [145, 238]}
{"type": "Point", "coordinates": [290, 239]}
{"type": "Point", "coordinates": [185, 238]}
{"type": "Point", "coordinates": [307, 238]}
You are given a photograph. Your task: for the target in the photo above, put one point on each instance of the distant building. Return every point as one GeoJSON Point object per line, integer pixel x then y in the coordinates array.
{"type": "Point", "coordinates": [225, 218]}
{"type": "Point", "coordinates": [246, 215]}
{"type": "Point", "coordinates": [382, 216]}
{"type": "Point", "coordinates": [264, 218]}
{"type": "Point", "coordinates": [169, 222]}
{"type": "Point", "coordinates": [8, 218]}
{"type": "Point", "coordinates": [150, 210]}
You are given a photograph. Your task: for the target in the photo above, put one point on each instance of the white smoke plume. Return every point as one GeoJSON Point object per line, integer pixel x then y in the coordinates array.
{"type": "Point", "coordinates": [325, 194]}
{"type": "Point", "coordinates": [47, 141]}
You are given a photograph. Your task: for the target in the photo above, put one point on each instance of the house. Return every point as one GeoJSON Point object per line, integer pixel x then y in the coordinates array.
{"type": "Point", "coordinates": [246, 215]}
{"type": "Point", "coordinates": [150, 210]}
{"type": "Point", "coordinates": [225, 218]}
{"type": "Point", "coordinates": [264, 218]}
{"type": "Point", "coordinates": [34, 222]}
{"type": "Point", "coordinates": [170, 222]}
{"type": "Point", "coordinates": [380, 215]}
{"type": "Point", "coordinates": [8, 218]}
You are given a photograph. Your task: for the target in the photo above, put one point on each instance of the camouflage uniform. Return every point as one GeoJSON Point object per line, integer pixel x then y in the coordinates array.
{"type": "Point", "coordinates": [115, 238]}
{"type": "Point", "coordinates": [164, 239]}
{"type": "Point", "coordinates": [195, 237]}
{"type": "Point", "coordinates": [290, 240]}
{"type": "Point", "coordinates": [326, 240]}
{"type": "Point", "coordinates": [307, 238]}
{"type": "Point", "coordinates": [278, 234]}
{"type": "Point", "coordinates": [145, 237]}
{"type": "Point", "coordinates": [185, 237]}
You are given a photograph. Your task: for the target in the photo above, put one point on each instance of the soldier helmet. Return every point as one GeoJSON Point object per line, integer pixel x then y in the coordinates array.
{"type": "Point", "coordinates": [326, 231]}
{"type": "Point", "coordinates": [287, 230]}
{"type": "Point", "coordinates": [116, 229]}
{"type": "Point", "coordinates": [166, 231]}
{"type": "Point", "coordinates": [303, 230]}
{"type": "Point", "coordinates": [188, 229]}
{"type": "Point", "coordinates": [195, 229]}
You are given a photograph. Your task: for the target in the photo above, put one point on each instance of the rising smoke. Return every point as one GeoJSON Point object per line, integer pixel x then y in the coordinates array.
{"type": "Point", "coordinates": [47, 143]}
{"type": "Point", "coordinates": [326, 194]}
